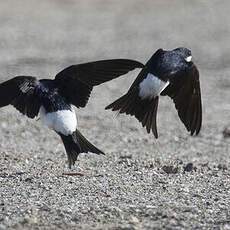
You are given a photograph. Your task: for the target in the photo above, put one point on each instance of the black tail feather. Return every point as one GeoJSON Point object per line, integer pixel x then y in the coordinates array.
{"type": "Point", "coordinates": [145, 110]}
{"type": "Point", "coordinates": [76, 144]}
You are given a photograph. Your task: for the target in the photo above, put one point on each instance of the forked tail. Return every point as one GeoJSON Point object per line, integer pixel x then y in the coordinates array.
{"type": "Point", "coordinates": [145, 110]}
{"type": "Point", "coordinates": [76, 144]}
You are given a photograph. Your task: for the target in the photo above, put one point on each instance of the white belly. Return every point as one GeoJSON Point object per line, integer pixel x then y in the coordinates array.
{"type": "Point", "coordinates": [62, 121]}
{"type": "Point", "coordinates": [151, 87]}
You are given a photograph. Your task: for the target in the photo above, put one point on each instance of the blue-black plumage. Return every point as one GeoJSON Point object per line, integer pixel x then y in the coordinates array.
{"type": "Point", "coordinates": [53, 100]}
{"type": "Point", "coordinates": [170, 73]}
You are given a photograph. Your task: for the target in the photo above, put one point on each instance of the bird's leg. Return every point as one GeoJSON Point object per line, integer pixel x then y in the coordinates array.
{"type": "Point", "coordinates": [74, 173]}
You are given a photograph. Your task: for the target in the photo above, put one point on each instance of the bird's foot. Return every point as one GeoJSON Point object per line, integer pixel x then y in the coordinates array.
{"type": "Point", "coordinates": [78, 173]}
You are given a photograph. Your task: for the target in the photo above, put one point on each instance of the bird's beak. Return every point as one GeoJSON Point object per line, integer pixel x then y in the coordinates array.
{"type": "Point", "coordinates": [188, 59]}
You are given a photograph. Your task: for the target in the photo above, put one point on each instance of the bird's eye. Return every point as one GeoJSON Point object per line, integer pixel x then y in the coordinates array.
{"type": "Point", "coordinates": [188, 59]}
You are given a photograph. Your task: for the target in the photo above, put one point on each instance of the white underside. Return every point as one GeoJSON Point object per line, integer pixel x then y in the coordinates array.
{"type": "Point", "coordinates": [151, 87]}
{"type": "Point", "coordinates": [62, 121]}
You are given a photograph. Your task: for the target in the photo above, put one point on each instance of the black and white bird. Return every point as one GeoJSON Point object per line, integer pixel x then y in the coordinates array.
{"type": "Point", "coordinates": [53, 100]}
{"type": "Point", "coordinates": [170, 73]}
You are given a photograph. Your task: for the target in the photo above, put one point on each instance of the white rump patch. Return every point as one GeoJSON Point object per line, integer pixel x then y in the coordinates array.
{"type": "Point", "coordinates": [151, 87]}
{"type": "Point", "coordinates": [62, 121]}
{"type": "Point", "coordinates": [188, 59]}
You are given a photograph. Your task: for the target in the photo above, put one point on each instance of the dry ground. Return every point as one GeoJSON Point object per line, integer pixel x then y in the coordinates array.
{"type": "Point", "coordinates": [129, 188]}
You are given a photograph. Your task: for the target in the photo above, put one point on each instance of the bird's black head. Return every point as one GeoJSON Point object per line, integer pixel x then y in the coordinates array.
{"type": "Point", "coordinates": [185, 53]}
{"type": "Point", "coordinates": [165, 63]}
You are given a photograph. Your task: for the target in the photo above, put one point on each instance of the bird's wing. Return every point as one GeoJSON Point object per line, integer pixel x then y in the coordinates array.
{"type": "Point", "coordinates": [140, 77]}
{"type": "Point", "coordinates": [76, 82]}
{"type": "Point", "coordinates": [20, 92]}
{"type": "Point", "coordinates": [145, 110]}
{"type": "Point", "coordinates": [187, 98]}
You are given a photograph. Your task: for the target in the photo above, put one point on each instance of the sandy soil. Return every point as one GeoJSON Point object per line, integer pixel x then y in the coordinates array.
{"type": "Point", "coordinates": [176, 182]}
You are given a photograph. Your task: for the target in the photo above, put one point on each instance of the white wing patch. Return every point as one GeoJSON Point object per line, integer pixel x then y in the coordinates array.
{"type": "Point", "coordinates": [62, 121]}
{"type": "Point", "coordinates": [151, 87]}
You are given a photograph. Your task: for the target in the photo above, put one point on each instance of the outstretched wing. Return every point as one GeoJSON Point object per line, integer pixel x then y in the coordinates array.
{"type": "Point", "coordinates": [187, 98]}
{"type": "Point", "coordinates": [20, 92]}
{"type": "Point", "coordinates": [76, 82]}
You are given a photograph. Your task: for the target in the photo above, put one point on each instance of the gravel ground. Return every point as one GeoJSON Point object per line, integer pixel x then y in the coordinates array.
{"type": "Point", "coordinates": [175, 182]}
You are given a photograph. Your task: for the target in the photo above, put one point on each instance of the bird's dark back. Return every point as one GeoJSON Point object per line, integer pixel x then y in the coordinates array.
{"type": "Point", "coordinates": [48, 93]}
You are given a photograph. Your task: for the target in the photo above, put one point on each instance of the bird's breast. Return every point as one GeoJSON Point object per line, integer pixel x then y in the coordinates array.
{"type": "Point", "coordinates": [151, 87]}
{"type": "Point", "coordinates": [61, 121]}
